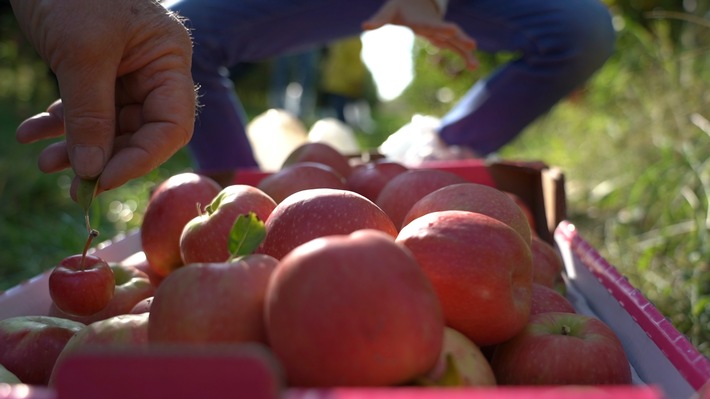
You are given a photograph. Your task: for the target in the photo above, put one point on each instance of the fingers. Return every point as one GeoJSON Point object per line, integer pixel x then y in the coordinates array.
{"type": "Point", "coordinates": [49, 124]}
{"type": "Point", "coordinates": [89, 117]}
{"type": "Point", "coordinates": [165, 123]}
{"type": "Point", "coordinates": [450, 36]}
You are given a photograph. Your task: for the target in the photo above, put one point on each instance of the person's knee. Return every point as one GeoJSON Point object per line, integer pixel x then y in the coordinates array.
{"type": "Point", "coordinates": [589, 33]}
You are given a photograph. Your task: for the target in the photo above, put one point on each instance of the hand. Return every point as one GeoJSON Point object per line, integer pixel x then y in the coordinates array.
{"type": "Point", "coordinates": [127, 95]}
{"type": "Point", "coordinates": [424, 19]}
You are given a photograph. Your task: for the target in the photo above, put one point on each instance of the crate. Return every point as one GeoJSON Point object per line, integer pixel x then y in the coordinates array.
{"type": "Point", "coordinates": [665, 364]}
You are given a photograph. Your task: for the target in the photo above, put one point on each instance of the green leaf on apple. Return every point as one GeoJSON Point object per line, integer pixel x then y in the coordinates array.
{"type": "Point", "coordinates": [246, 235]}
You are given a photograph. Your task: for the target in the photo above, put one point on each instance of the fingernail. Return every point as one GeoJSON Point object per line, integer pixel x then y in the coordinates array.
{"type": "Point", "coordinates": [88, 161]}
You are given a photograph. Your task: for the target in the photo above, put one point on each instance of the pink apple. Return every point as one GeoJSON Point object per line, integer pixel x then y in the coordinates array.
{"type": "Point", "coordinates": [547, 265]}
{"type": "Point", "coordinates": [320, 153]}
{"type": "Point", "coordinates": [526, 210]}
{"type": "Point", "coordinates": [352, 310]}
{"type": "Point", "coordinates": [142, 306]}
{"type": "Point", "coordinates": [212, 302]}
{"type": "Point", "coordinates": [175, 202]}
{"type": "Point", "coordinates": [473, 197]}
{"type": "Point", "coordinates": [30, 345]}
{"type": "Point", "coordinates": [405, 189]}
{"type": "Point", "coordinates": [132, 286]}
{"type": "Point", "coordinates": [205, 238]}
{"type": "Point", "coordinates": [314, 213]}
{"type": "Point", "coordinates": [300, 176]}
{"type": "Point", "coordinates": [461, 363]}
{"type": "Point", "coordinates": [126, 330]}
{"type": "Point", "coordinates": [368, 179]}
{"type": "Point", "coordinates": [82, 285]}
{"type": "Point", "coordinates": [546, 299]}
{"type": "Point", "coordinates": [562, 349]}
{"type": "Point", "coordinates": [481, 269]}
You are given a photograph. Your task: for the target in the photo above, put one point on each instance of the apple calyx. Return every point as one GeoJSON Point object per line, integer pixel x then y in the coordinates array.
{"type": "Point", "coordinates": [246, 235]}
{"type": "Point", "coordinates": [565, 330]}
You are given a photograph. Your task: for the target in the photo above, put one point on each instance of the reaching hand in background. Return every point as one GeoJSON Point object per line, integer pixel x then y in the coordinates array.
{"type": "Point", "coordinates": [127, 95]}
{"type": "Point", "coordinates": [424, 18]}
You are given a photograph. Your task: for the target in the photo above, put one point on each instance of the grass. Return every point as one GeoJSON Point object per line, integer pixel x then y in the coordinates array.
{"type": "Point", "coordinates": [633, 144]}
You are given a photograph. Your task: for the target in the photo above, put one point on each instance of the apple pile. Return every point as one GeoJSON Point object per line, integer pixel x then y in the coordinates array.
{"type": "Point", "coordinates": [369, 274]}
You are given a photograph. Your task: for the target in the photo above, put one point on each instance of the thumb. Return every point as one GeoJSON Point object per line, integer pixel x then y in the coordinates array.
{"type": "Point", "coordinates": [386, 15]}
{"type": "Point", "coordinates": [89, 116]}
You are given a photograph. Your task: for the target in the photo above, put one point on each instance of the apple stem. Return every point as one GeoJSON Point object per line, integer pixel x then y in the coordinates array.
{"type": "Point", "coordinates": [93, 233]}
{"type": "Point", "coordinates": [566, 330]}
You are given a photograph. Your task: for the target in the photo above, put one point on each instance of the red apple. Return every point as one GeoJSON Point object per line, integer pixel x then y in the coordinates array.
{"type": "Point", "coordinates": [300, 176]}
{"type": "Point", "coordinates": [205, 238]}
{"type": "Point", "coordinates": [140, 262]}
{"type": "Point", "coordinates": [175, 202]}
{"type": "Point", "coordinates": [461, 363]}
{"type": "Point", "coordinates": [318, 212]}
{"type": "Point", "coordinates": [125, 330]}
{"type": "Point", "coordinates": [352, 310]}
{"type": "Point", "coordinates": [132, 286]}
{"type": "Point", "coordinates": [526, 210]}
{"type": "Point", "coordinates": [320, 153]}
{"type": "Point", "coordinates": [481, 269]}
{"type": "Point", "coordinates": [81, 285]}
{"type": "Point", "coordinates": [369, 179]}
{"type": "Point", "coordinates": [546, 299]}
{"type": "Point", "coordinates": [398, 196]}
{"type": "Point", "coordinates": [473, 197]}
{"type": "Point", "coordinates": [562, 349]}
{"type": "Point", "coordinates": [212, 302]}
{"type": "Point", "coordinates": [142, 306]}
{"type": "Point", "coordinates": [30, 345]}
{"type": "Point", "coordinates": [547, 265]}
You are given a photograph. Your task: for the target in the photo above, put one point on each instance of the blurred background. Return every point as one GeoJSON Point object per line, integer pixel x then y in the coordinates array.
{"type": "Point", "coordinates": [633, 144]}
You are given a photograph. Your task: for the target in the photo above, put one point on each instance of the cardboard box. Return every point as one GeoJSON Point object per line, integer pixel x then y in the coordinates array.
{"type": "Point", "coordinates": [664, 363]}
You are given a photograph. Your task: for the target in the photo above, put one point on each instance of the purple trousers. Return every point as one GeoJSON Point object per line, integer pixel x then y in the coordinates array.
{"type": "Point", "coordinates": [559, 43]}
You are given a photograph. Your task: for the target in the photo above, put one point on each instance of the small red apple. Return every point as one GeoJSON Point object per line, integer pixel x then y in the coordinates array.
{"type": "Point", "coordinates": [405, 189]}
{"type": "Point", "coordinates": [473, 197]}
{"type": "Point", "coordinates": [546, 299]}
{"type": "Point", "coordinates": [175, 202]}
{"type": "Point", "coordinates": [314, 213]}
{"type": "Point", "coordinates": [82, 285]}
{"type": "Point", "coordinates": [368, 179]}
{"type": "Point", "coordinates": [205, 238]}
{"type": "Point", "coordinates": [30, 345]}
{"type": "Point", "coordinates": [352, 310]}
{"type": "Point", "coordinates": [481, 269]}
{"type": "Point", "coordinates": [300, 176]}
{"type": "Point", "coordinates": [132, 286]}
{"type": "Point", "coordinates": [320, 153]}
{"type": "Point", "coordinates": [562, 349]}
